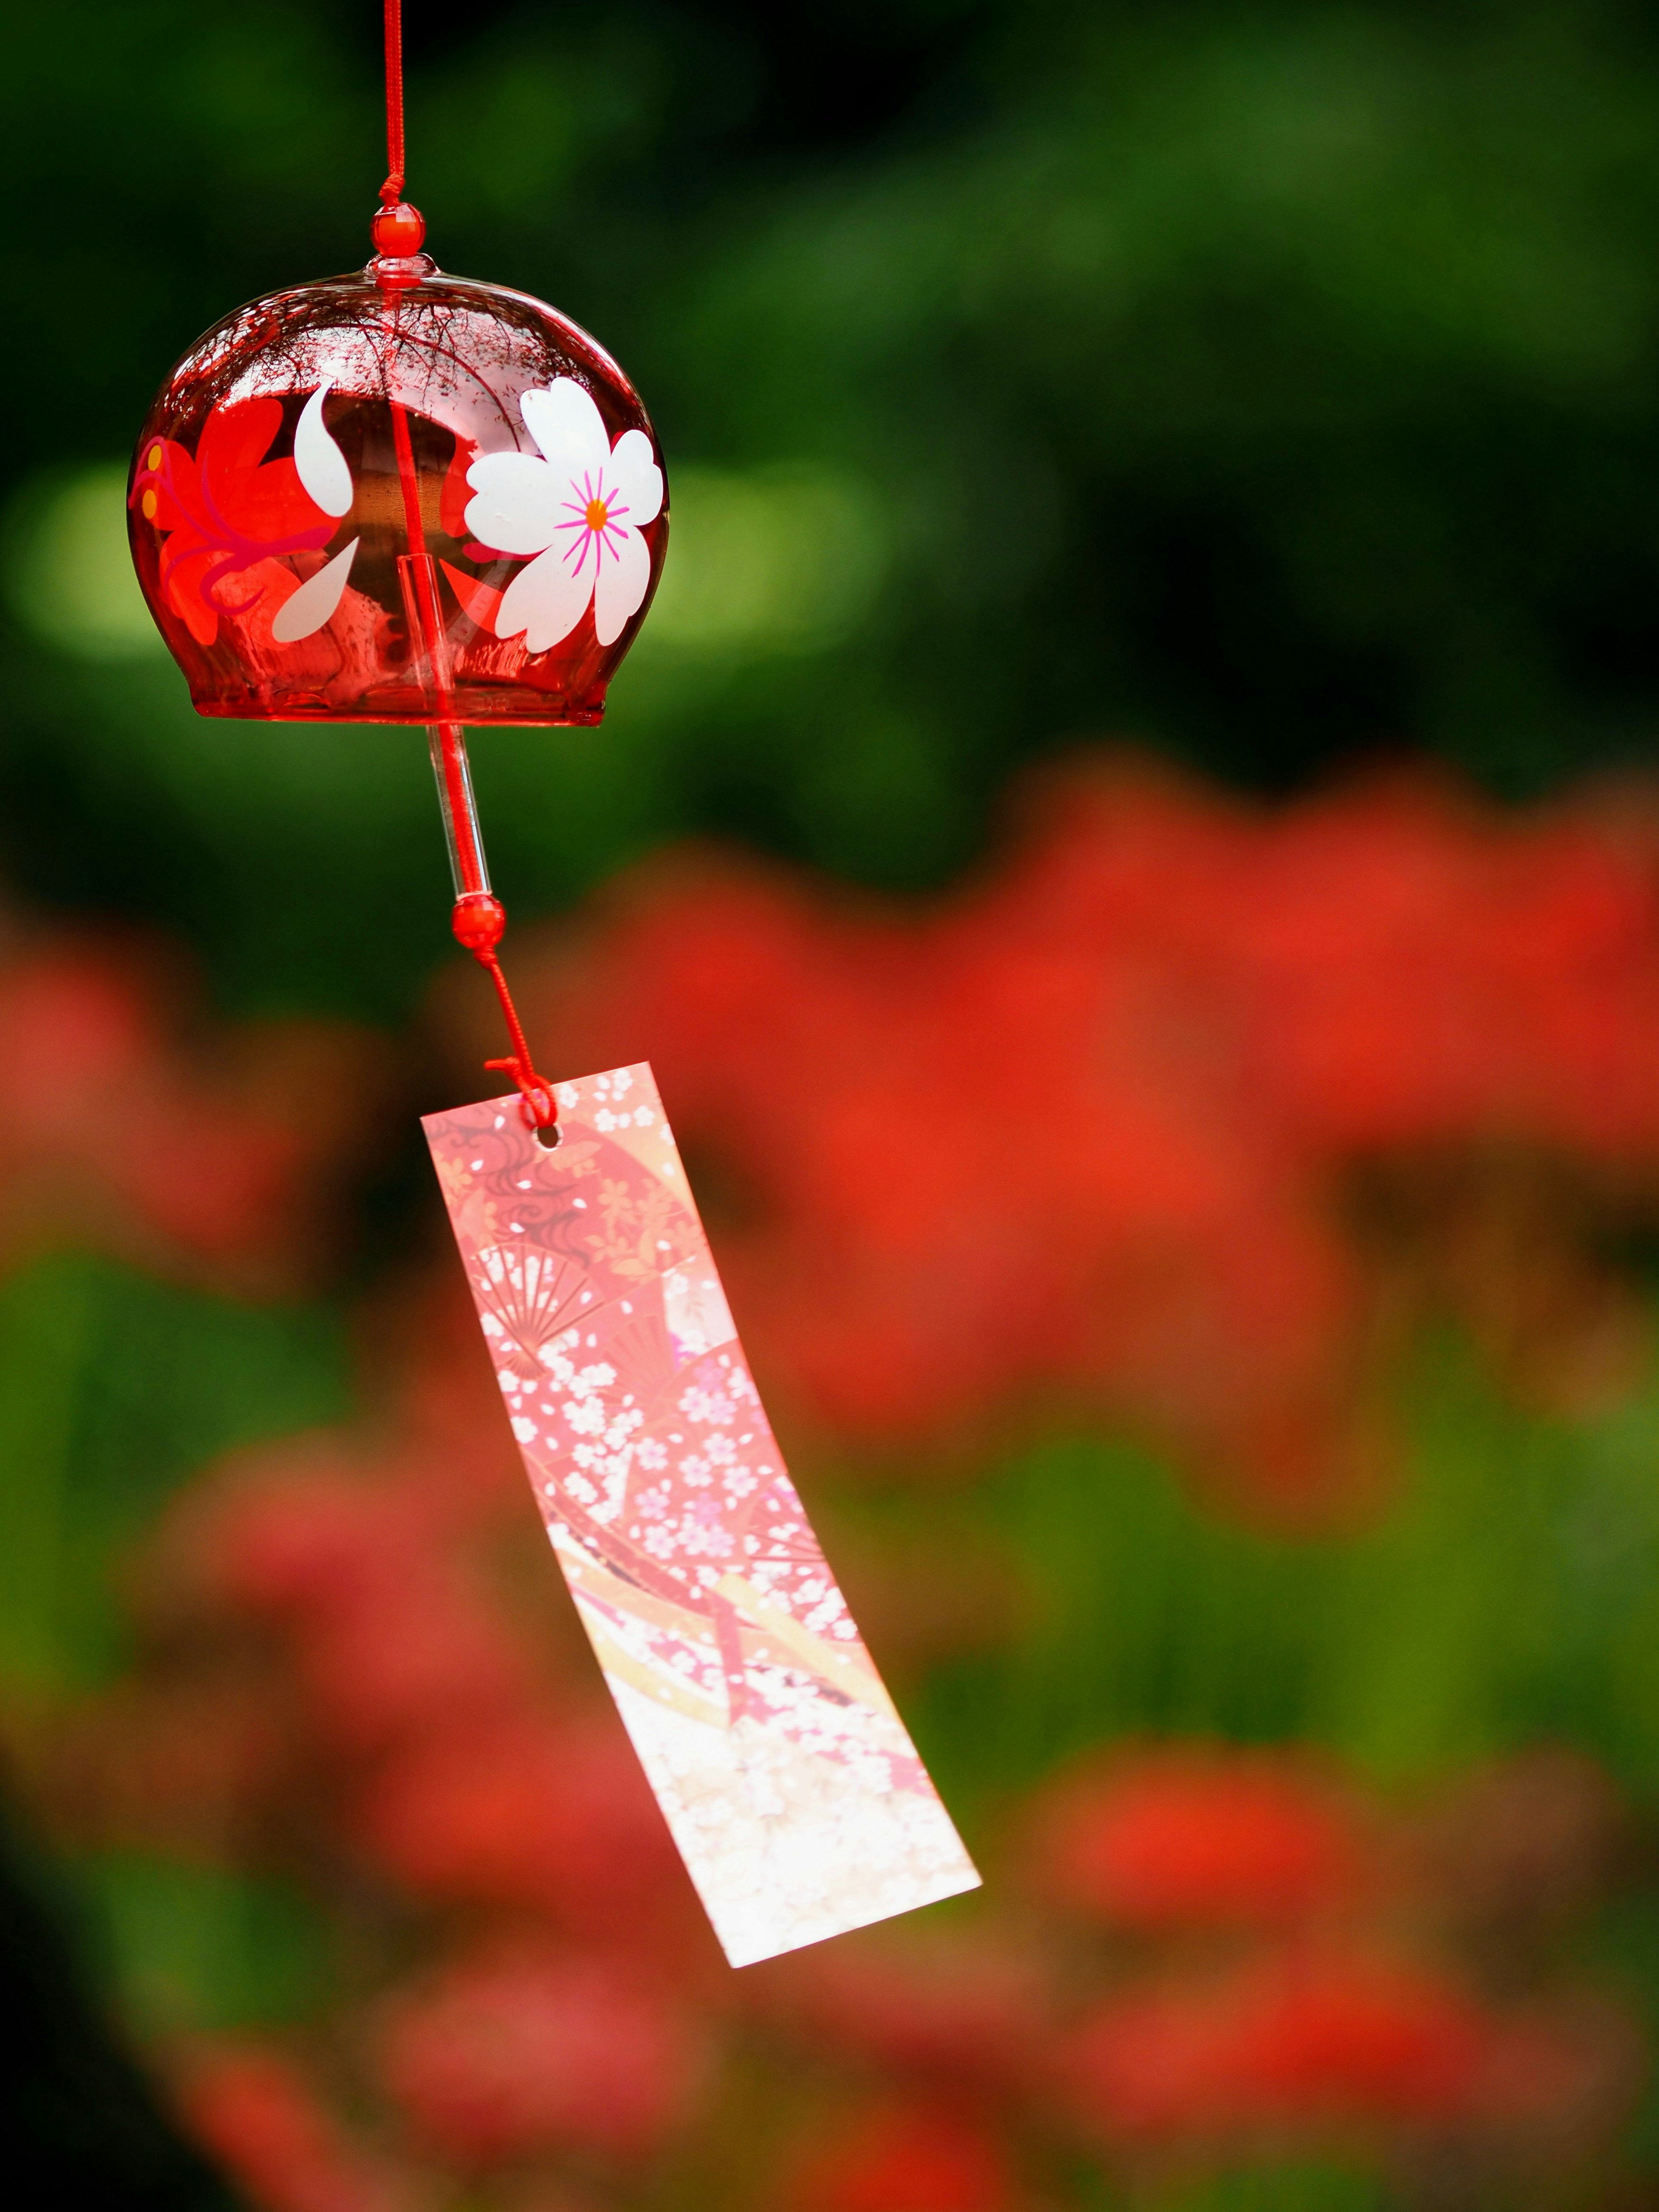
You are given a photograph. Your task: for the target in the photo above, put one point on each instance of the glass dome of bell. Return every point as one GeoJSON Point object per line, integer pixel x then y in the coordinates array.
{"type": "Point", "coordinates": [398, 496]}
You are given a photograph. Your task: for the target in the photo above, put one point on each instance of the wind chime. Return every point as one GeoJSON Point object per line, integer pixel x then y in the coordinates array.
{"type": "Point", "coordinates": [402, 496]}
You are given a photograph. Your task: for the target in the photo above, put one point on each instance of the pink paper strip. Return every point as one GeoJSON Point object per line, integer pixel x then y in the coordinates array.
{"type": "Point", "coordinates": [795, 1796]}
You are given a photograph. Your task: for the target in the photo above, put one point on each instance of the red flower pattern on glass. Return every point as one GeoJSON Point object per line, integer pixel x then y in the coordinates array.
{"type": "Point", "coordinates": [225, 513]}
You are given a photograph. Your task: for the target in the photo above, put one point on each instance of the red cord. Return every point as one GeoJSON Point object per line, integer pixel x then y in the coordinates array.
{"type": "Point", "coordinates": [479, 919]}
{"type": "Point", "coordinates": [392, 189]}
{"type": "Point", "coordinates": [540, 1106]}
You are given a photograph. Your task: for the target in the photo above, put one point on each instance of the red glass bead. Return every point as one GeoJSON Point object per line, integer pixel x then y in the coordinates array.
{"type": "Point", "coordinates": [478, 921]}
{"type": "Point", "coordinates": [398, 496]}
{"type": "Point", "coordinates": [399, 230]}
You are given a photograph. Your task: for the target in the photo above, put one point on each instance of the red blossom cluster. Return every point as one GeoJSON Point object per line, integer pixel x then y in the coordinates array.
{"type": "Point", "coordinates": [905, 2158]}
{"type": "Point", "coordinates": [1259, 1981]}
{"type": "Point", "coordinates": [427, 1741]}
{"type": "Point", "coordinates": [1321, 2043]}
{"type": "Point", "coordinates": [504, 2055]}
{"type": "Point", "coordinates": [1196, 1838]}
{"type": "Point", "coordinates": [1076, 1132]}
{"type": "Point", "coordinates": [259, 2112]}
{"type": "Point", "coordinates": [1285, 1989]}
{"type": "Point", "coordinates": [1195, 1951]}
{"type": "Point", "coordinates": [216, 1150]}
{"type": "Point", "coordinates": [460, 1768]}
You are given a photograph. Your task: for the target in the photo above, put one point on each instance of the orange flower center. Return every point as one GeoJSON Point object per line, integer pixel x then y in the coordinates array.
{"type": "Point", "coordinates": [597, 514]}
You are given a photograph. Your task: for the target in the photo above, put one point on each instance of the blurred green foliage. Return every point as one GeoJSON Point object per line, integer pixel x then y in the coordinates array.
{"type": "Point", "coordinates": [114, 1388]}
{"type": "Point", "coordinates": [1290, 2186]}
{"type": "Point", "coordinates": [196, 1949]}
{"type": "Point", "coordinates": [1509, 1593]}
{"type": "Point", "coordinates": [1264, 381]}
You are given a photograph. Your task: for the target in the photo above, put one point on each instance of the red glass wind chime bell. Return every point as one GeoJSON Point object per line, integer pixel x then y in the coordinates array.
{"type": "Point", "coordinates": [404, 497]}
{"type": "Point", "coordinates": [400, 496]}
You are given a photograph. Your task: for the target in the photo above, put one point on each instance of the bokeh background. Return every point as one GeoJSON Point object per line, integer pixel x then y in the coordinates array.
{"type": "Point", "coordinates": [1132, 838]}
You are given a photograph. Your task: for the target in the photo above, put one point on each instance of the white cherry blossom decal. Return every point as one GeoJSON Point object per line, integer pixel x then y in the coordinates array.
{"type": "Point", "coordinates": [579, 507]}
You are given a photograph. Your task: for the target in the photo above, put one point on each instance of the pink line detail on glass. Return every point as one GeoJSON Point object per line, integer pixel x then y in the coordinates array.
{"type": "Point", "coordinates": [792, 1790]}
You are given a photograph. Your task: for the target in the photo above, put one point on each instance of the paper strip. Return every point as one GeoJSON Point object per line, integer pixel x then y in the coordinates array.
{"type": "Point", "coordinates": [795, 1796]}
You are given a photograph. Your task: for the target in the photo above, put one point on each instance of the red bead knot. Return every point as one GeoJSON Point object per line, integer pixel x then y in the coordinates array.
{"type": "Point", "coordinates": [398, 231]}
{"type": "Point", "coordinates": [478, 922]}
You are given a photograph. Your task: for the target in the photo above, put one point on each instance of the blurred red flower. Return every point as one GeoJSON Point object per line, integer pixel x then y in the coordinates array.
{"type": "Point", "coordinates": [510, 2053]}
{"type": "Point", "coordinates": [907, 2159]}
{"type": "Point", "coordinates": [547, 1817]}
{"type": "Point", "coordinates": [963, 2014]}
{"type": "Point", "coordinates": [1310, 2044]}
{"type": "Point", "coordinates": [1191, 1836]}
{"type": "Point", "coordinates": [258, 2113]}
{"type": "Point", "coordinates": [464, 1767]}
{"type": "Point", "coordinates": [359, 1559]}
{"type": "Point", "coordinates": [223, 1153]}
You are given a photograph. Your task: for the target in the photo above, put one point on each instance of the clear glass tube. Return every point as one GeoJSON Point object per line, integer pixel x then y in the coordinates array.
{"type": "Point", "coordinates": [462, 834]}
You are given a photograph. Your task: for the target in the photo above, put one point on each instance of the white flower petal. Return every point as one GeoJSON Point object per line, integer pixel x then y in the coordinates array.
{"type": "Point", "coordinates": [567, 426]}
{"type": "Point", "coordinates": [621, 586]}
{"type": "Point", "coordinates": [321, 465]}
{"type": "Point", "coordinates": [305, 611]}
{"type": "Point", "coordinates": [636, 477]}
{"type": "Point", "coordinates": [546, 600]}
{"type": "Point", "coordinates": [517, 508]}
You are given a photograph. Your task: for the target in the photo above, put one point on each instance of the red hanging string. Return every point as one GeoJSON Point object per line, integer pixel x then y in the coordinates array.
{"type": "Point", "coordinates": [479, 917]}
{"type": "Point", "coordinates": [478, 921]}
{"type": "Point", "coordinates": [539, 1103]}
{"type": "Point", "coordinates": [392, 189]}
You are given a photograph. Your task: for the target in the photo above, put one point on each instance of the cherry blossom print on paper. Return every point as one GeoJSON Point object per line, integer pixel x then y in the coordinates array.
{"type": "Point", "coordinates": [578, 507]}
{"type": "Point", "coordinates": [793, 1793]}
